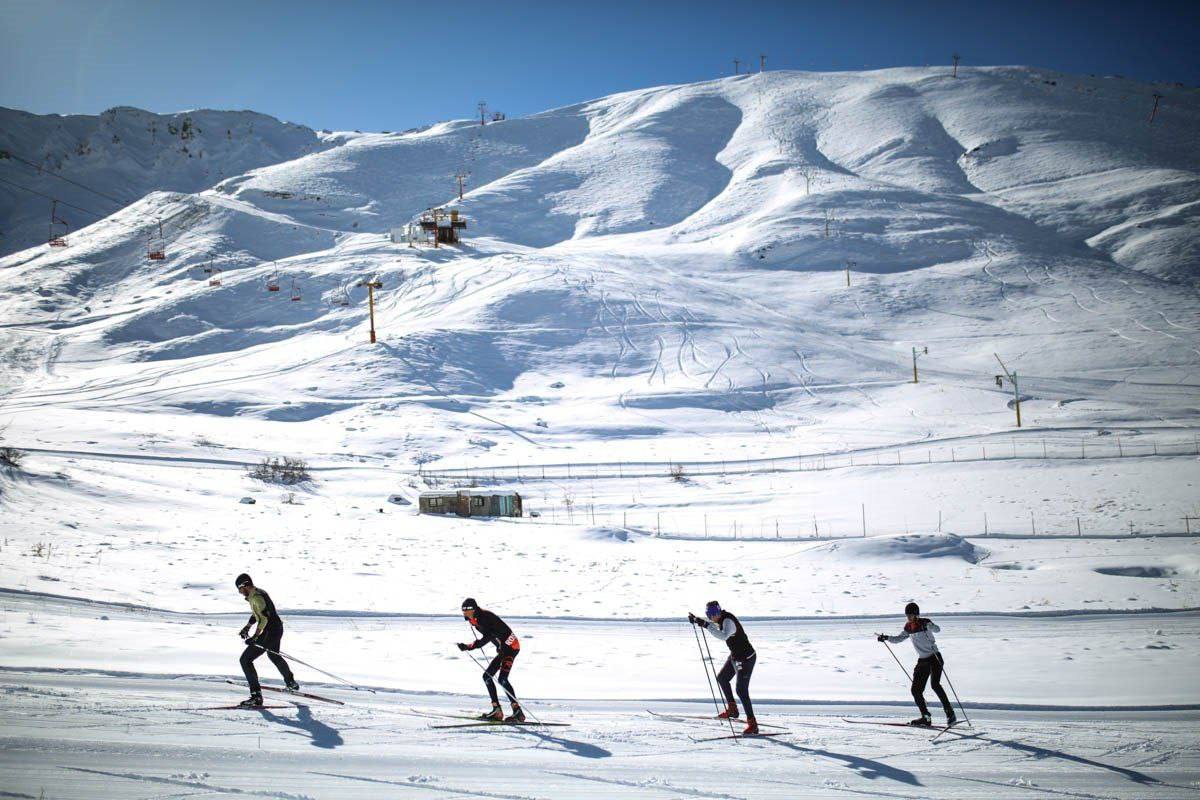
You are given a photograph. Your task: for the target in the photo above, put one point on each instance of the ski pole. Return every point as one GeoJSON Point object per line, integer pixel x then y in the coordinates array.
{"type": "Point", "coordinates": [353, 686]}
{"type": "Point", "coordinates": [901, 666]}
{"type": "Point", "coordinates": [704, 636]}
{"type": "Point", "coordinates": [707, 677]}
{"type": "Point", "coordinates": [946, 675]}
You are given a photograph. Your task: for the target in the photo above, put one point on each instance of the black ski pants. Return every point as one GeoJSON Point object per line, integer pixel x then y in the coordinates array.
{"type": "Point", "coordinates": [930, 669]}
{"type": "Point", "coordinates": [743, 669]}
{"type": "Point", "coordinates": [270, 640]}
{"type": "Point", "coordinates": [502, 664]}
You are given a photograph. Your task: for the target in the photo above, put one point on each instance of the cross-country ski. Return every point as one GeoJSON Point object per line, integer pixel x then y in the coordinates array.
{"type": "Point", "coordinates": [548, 401]}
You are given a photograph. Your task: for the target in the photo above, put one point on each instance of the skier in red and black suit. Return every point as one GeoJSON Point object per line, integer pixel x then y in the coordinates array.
{"type": "Point", "coordinates": [741, 661]}
{"type": "Point", "coordinates": [493, 630]}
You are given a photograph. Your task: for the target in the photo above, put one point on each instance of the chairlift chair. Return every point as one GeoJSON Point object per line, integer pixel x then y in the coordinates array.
{"type": "Point", "coordinates": [57, 238]}
{"type": "Point", "coordinates": [295, 291]}
{"type": "Point", "coordinates": [156, 248]}
{"type": "Point", "coordinates": [273, 282]}
{"type": "Point", "coordinates": [215, 272]}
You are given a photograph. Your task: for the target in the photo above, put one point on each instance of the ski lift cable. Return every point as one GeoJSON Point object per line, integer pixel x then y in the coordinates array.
{"type": "Point", "coordinates": [40, 169]}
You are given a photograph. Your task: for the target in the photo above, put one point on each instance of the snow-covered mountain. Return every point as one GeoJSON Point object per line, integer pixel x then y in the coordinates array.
{"type": "Point", "coordinates": [680, 250]}
{"type": "Point", "coordinates": [125, 153]}
{"type": "Point", "coordinates": [685, 324]}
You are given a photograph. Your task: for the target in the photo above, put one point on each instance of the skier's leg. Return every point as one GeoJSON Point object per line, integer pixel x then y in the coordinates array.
{"type": "Point", "coordinates": [491, 670]}
{"type": "Point", "coordinates": [506, 665]}
{"type": "Point", "coordinates": [274, 642]}
{"type": "Point", "coordinates": [744, 670]}
{"type": "Point", "coordinates": [935, 681]}
{"type": "Point", "coordinates": [248, 655]}
{"type": "Point", "coordinates": [723, 679]}
{"type": "Point", "coordinates": [920, 676]}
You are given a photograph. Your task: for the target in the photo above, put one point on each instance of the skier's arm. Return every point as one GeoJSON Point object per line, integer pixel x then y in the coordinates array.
{"type": "Point", "coordinates": [931, 625]}
{"type": "Point", "coordinates": [258, 605]}
{"type": "Point", "coordinates": [898, 638]}
{"type": "Point", "coordinates": [726, 630]}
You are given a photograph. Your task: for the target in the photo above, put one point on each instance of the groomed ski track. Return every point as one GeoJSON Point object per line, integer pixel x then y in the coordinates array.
{"type": "Point", "coordinates": [101, 737]}
{"type": "Point", "coordinates": [103, 700]}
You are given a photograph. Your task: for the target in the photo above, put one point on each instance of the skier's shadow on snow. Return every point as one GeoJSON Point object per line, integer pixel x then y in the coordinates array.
{"type": "Point", "coordinates": [865, 767]}
{"type": "Point", "coordinates": [322, 735]}
{"type": "Point", "coordinates": [1044, 752]}
{"type": "Point", "coordinates": [581, 749]}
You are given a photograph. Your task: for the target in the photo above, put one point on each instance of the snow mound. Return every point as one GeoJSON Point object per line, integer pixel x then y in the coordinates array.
{"type": "Point", "coordinates": [908, 546]}
{"type": "Point", "coordinates": [605, 533]}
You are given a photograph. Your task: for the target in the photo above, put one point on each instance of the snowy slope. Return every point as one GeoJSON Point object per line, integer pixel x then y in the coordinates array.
{"type": "Point", "coordinates": [648, 332]}
{"type": "Point", "coordinates": [125, 153]}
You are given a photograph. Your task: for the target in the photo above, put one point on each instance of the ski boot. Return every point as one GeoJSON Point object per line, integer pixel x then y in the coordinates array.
{"type": "Point", "coordinates": [730, 712]}
{"type": "Point", "coordinates": [292, 685]}
{"type": "Point", "coordinates": [495, 715]}
{"type": "Point", "coordinates": [253, 701]}
{"type": "Point", "coordinates": [751, 727]}
{"type": "Point", "coordinates": [517, 716]}
{"type": "Point", "coordinates": [951, 721]}
{"type": "Point", "coordinates": [923, 721]}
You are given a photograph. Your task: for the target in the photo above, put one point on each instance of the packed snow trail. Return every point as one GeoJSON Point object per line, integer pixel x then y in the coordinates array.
{"type": "Point", "coordinates": [101, 737]}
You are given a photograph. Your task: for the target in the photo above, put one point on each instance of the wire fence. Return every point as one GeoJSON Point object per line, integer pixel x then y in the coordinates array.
{"type": "Point", "coordinates": [862, 522]}
{"type": "Point", "coordinates": [1016, 447]}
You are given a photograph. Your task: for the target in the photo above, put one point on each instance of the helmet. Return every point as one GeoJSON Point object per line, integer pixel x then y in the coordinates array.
{"type": "Point", "coordinates": [713, 609]}
{"type": "Point", "coordinates": [470, 605]}
{"type": "Point", "coordinates": [912, 608]}
{"type": "Point", "coordinates": [242, 580]}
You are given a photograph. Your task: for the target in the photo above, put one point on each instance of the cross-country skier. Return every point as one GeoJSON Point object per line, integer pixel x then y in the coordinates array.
{"type": "Point", "coordinates": [266, 636]}
{"type": "Point", "coordinates": [929, 663]}
{"type": "Point", "coordinates": [741, 661]}
{"type": "Point", "coordinates": [493, 630]}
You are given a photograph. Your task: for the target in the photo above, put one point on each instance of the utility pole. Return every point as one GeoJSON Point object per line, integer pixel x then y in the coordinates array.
{"type": "Point", "coordinates": [924, 351]}
{"type": "Point", "coordinates": [372, 285]}
{"type": "Point", "coordinates": [1012, 376]}
{"type": "Point", "coordinates": [460, 177]}
{"type": "Point", "coordinates": [762, 63]}
{"type": "Point", "coordinates": [1154, 111]}
{"type": "Point", "coordinates": [956, 57]}
{"type": "Point", "coordinates": [849, 265]}
{"type": "Point", "coordinates": [482, 112]}
{"type": "Point", "coordinates": [736, 67]}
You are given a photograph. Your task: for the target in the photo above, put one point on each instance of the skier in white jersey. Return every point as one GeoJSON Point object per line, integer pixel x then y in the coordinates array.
{"type": "Point", "coordinates": [929, 663]}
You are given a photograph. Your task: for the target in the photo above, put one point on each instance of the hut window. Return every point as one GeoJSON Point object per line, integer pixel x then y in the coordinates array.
{"type": "Point", "coordinates": [477, 502]}
{"type": "Point", "coordinates": [435, 502]}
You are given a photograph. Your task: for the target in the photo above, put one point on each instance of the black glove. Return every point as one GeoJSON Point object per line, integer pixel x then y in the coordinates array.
{"type": "Point", "coordinates": [245, 631]}
{"type": "Point", "coordinates": [881, 637]}
{"type": "Point", "coordinates": [464, 647]}
{"type": "Point", "coordinates": [691, 618]}
{"type": "Point", "coordinates": [253, 641]}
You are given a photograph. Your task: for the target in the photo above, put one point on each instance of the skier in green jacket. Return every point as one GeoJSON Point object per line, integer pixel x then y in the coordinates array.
{"type": "Point", "coordinates": [265, 639]}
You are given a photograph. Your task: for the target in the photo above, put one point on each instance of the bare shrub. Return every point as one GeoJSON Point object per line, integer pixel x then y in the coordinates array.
{"type": "Point", "coordinates": [287, 471]}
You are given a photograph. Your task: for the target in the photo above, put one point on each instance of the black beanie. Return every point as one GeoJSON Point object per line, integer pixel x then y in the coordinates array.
{"type": "Point", "coordinates": [242, 580]}
{"type": "Point", "coordinates": [912, 608]}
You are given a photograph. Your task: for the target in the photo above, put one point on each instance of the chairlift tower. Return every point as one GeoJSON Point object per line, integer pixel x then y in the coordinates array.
{"type": "Point", "coordinates": [924, 351]}
{"type": "Point", "coordinates": [371, 285]}
{"type": "Point", "coordinates": [1012, 377]}
{"type": "Point", "coordinates": [482, 105]}
{"type": "Point", "coordinates": [460, 177]}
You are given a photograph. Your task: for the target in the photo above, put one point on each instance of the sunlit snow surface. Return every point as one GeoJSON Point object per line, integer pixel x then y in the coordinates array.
{"type": "Point", "coordinates": [656, 276]}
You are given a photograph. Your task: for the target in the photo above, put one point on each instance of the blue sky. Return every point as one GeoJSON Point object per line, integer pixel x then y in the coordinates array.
{"type": "Point", "coordinates": [393, 65]}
